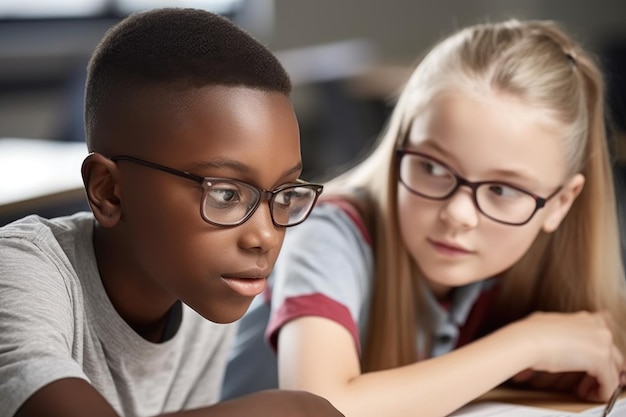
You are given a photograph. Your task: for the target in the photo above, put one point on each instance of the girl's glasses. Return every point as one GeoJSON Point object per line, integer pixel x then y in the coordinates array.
{"type": "Point", "coordinates": [499, 201]}
{"type": "Point", "coordinates": [230, 202]}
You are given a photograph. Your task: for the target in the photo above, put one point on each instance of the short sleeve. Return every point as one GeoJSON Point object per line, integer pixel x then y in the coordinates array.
{"type": "Point", "coordinates": [36, 322]}
{"type": "Point", "coordinates": [325, 270]}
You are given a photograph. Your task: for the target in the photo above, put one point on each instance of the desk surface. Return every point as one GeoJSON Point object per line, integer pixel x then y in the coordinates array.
{"type": "Point", "coordinates": [536, 398]}
{"type": "Point", "coordinates": [540, 400]}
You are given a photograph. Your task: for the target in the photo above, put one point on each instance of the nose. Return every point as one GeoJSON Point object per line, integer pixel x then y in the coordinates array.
{"type": "Point", "coordinates": [459, 210]}
{"type": "Point", "coordinates": [259, 233]}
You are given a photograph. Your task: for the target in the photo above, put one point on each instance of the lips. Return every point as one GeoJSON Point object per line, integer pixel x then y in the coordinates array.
{"type": "Point", "coordinates": [449, 247]}
{"type": "Point", "coordinates": [248, 284]}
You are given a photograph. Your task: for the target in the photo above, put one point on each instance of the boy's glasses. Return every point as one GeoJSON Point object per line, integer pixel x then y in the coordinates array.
{"type": "Point", "coordinates": [229, 202]}
{"type": "Point", "coordinates": [499, 201]}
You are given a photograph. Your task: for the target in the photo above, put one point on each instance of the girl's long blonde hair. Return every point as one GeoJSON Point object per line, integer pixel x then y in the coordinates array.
{"type": "Point", "coordinates": [578, 267]}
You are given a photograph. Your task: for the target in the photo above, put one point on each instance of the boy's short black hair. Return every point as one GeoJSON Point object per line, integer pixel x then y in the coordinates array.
{"type": "Point", "coordinates": [174, 46]}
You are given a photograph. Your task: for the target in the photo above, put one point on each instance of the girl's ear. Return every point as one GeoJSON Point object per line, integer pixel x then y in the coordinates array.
{"type": "Point", "coordinates": [563, 203]}
{"type": "Point", "coordinates": [100, 180]}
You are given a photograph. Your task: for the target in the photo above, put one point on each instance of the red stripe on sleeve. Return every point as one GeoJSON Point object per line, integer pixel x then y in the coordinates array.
{"type": "Point", "coordinates": [317, 305]}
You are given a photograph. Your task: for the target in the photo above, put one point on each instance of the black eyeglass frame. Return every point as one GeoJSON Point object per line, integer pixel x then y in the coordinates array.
{"type": "Point", "coordinates": [264, 195]}
{"type": "Point", "coordinates": [540, 202]}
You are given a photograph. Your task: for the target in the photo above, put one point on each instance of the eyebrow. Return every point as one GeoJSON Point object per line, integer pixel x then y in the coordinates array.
{"type": "Point", "coordinates": [222, 163]}
{"type": "Point", "coordinates": [493, 174]}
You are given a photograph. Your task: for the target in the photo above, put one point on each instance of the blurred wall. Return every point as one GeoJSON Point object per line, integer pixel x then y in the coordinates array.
{"type": "Point", "coordinates": [42, 64]}
{"type": "Point", "coordinates": [402, 29]}
{"type": "Point", "coordinates": [398, 32]}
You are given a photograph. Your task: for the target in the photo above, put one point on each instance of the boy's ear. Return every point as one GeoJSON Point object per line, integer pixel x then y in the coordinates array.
{"type": "Point", "coordinates": [563, 203]}
{"type": "Point", "coordinates": [100, 180]}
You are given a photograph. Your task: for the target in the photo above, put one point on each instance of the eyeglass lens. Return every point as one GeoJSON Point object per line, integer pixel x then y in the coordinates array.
{"type": "Point", "coordinates": [231, 202]}
{"type": "Point", "coordinates": [431, 179]}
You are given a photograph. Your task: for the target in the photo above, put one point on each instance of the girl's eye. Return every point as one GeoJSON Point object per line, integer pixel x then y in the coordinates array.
{"type": "Point", "coordinates": [504, 191]}
{"type": "Point", "coordinates": [434, 169]}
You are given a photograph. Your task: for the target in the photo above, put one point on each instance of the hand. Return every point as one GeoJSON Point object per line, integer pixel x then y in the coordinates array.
{"type": "Point", "coordinates": [277, 403]}
{"type": "Point", "coordinates": [561, 382]}
{"type": "Point", "coordinates": [576, 342]}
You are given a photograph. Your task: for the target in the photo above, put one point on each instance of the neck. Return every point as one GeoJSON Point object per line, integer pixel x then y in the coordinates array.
{"type": "Point", "coordinates": [139, 301]}
{"type": "Point", "coordinates": [440, 291]}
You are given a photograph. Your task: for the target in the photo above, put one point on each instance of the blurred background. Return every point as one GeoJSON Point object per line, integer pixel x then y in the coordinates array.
{"type": "Point", "coordinates": [347, 59]}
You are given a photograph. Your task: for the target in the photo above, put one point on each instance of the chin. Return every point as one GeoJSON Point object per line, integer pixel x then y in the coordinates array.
{"type": "Point", "coordinates": [452, 283]}
{"type": "Point", "coordinates": [224, 314]}
{"type": "Point", "coordinates": [447, 278]}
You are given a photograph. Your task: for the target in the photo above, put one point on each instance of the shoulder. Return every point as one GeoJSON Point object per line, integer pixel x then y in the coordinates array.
{"type": "Point", "coordinates": [38, 254]}
{"type": "Point", "coordinates": [353, 212]}
{"type": "Point", "coordinates": [39, 230]}
{"type": "Point", "coordinates": [40, 301]}
{"type": "Point", "coordinates": [334, 237]}
{"type": "Point", "coordinates": [335, 217]}
{"type": "Point", "coordinates": [330, 254]}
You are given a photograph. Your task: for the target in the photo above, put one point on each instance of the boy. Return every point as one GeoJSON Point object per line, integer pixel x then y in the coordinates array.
{"type": "Point", "coordinates": [116, 312]}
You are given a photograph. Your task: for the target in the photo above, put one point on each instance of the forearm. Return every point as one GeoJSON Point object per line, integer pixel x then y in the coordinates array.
{"type": "Point", "coordinates": [433, 387]}
{"type": "Point", "coordinates": [72, 397]}
{"type": "Point", "coordinates": [437, 386]}
{"type": "Point", "coordinates": [318, 355]}
{"type": "Point", "coordinates": [271, 403]}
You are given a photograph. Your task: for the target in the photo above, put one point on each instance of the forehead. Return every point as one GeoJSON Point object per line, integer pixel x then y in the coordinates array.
{"type": "Point", "coordinates": [251, 129]}
{"type": "Point", "coordinates": [485, 135]}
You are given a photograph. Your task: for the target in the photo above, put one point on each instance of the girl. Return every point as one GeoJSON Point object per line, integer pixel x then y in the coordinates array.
{"type": "Point", "coordinates": [477, 243]}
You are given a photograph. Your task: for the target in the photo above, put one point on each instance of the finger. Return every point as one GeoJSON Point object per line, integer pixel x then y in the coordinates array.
{"type": "Point", "coordinates": [568, 381]}
{"type": "Point", "coordinates": [523, 376]}
{"type": "Point", "coordinates": [618, 358]}
{"type": "Point", "coordinates": [607, 374]}
{"type": "Point", "coordinates": [562, 381]}
{"type": "Point", "coordinates": [607, 377]}
{"type": "Point", "coordinates": [615, 328]}
{"type": "Point", "coordinates": [591, 389]}
{"type": "Point", "coordinates": [588, 389]}
{"type": "Point", "coordinates": [618, 363]}
{"type": "Point", "coordinates": [544, 380]}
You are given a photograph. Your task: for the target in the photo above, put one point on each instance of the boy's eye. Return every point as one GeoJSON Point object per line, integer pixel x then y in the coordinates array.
{"type": "Point", "coordinates": [224, 195]}
{"type": "Point", "coordinates": [290, 197]}
{"type": "Point", "coordinates": [284, 198]}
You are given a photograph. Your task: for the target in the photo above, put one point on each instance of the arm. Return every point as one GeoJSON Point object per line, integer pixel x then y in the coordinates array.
{"type": "Point", "coordinates": [38, 374]}
{"type": "Point", "coordinates": [76, 398]}
{"type": "Point", "coordinates": [319, 355]}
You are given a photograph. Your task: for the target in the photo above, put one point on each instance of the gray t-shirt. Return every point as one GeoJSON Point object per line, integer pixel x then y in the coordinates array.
{"type": "Point", "coordinates": [56, 322]}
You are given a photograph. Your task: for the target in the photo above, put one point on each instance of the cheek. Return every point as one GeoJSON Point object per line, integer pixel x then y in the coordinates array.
{"type": "Point", "coordinates": [163, 223]}
{"type": "Point", "coordinates": [417, 218]}
{"type": "Point", "coordinates": [503, 246]}
{"type": "Point", "coordinates": [510, 247]}
{"type": "Point", "coordinates": [415, 214]}
{"type": "Point", "coordinates": [497, 246]}
{"type": "Point", "coordinates": [186, 259]}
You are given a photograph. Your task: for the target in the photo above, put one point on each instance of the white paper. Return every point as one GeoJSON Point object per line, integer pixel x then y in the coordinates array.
{"type": "Point", "coordinates": [498, 409]}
